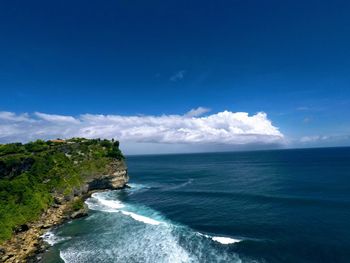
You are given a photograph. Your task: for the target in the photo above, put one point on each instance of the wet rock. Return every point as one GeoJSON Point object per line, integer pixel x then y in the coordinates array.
{"type": "Point", "coordinates": [80, 213]}
{"type": "Point", "coordinates": [22, 228]}
{"type": "Point", "coordinates": [45, 226]}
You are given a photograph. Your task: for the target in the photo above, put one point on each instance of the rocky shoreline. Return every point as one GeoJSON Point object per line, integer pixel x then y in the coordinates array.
{"type": "Point", "coordinates": [27, 244]}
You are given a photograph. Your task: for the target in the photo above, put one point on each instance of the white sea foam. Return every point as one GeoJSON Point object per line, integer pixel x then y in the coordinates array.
{"type": "Point", "coordinates": [222, 240]}
{"type": "Point", "coordinates": [137, 186]}
{"type": "Point", "coordinates": [225, 240]}
{"type": "Point", "coordinates": [204, 235]}
{"type": "Point", "coordinates": [111, 203]}
{"type": "Point", "coordinates": [141, 218]}
{"type": "Point", "coordinates": [51, 238]}
{"type": "Point", "coordinates": [98, 202]}
{"type": "Point", "coordinates": [155, 239]}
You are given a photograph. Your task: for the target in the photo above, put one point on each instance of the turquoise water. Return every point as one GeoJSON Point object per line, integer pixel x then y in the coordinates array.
{"type": "Point", "coordinates": [264, 206]}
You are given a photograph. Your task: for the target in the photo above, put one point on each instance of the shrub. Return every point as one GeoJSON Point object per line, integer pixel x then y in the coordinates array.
{"type": "Point", "coordinates": [78, 204]}
{"type": "Point", "coordinates": [36, 146]}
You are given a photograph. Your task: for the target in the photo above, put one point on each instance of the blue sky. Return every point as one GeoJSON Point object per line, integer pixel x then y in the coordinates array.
{"type": "Point", "coordinates": [289, 59]}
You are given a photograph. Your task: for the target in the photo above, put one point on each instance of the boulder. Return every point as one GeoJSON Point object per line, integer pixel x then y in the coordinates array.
{"type": "Point", "coordinates": [22, 228]}
{"type": "Point", "coordinates": [80, 213]}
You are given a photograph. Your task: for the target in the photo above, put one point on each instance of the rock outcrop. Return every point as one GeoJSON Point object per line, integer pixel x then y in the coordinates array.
{"type": "Point", "coordinates": [27, 244]}
{"type": "Point", "coordinates": [101, 173]}
{"type": "Point", "coordinates": [116, 178]}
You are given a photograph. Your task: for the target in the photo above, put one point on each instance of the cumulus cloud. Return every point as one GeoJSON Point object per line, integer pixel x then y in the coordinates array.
{"type": "Point", "coordinates": [178, 75]}
{"type": "Point", "coordinates": [228, 128]}
{"type": "Point", "coordinates": [197, 112]}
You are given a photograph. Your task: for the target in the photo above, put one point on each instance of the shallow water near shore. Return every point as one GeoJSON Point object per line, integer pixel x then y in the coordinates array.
{"type": "Point", "coordinates": [265, 206]}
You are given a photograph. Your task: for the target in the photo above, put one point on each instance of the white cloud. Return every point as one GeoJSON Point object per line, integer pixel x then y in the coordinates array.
{"type": "Point", "coordinates": [225, 128]}
{"type": "Point", "coordinates": [197, 112]}
{"type": "Point", "coordinates": [178, 75]}
{"type": "Point", "coordinates": [56, 118]}
{"type": "Point", "coordinates": [313, 138]}
{"type": "Point", "coordinates": [324, 140]}
{"type": "Point", "coordinates": [12, 117]}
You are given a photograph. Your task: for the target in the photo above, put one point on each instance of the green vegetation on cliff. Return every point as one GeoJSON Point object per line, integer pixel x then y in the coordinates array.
{"type": "Point", "coordinates": [32, 174]}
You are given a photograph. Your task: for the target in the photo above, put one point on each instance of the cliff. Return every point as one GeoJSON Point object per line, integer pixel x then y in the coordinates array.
{"type": "Point", "coordinates": [44, 183]}
{"type": "Point", "coordinates": [115, 177]}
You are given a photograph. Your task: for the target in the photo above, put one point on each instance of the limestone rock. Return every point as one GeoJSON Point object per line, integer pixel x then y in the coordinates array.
{"type": "Point", "coordinates": [116, 178]}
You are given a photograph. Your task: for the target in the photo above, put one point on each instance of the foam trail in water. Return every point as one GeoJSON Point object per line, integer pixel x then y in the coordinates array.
{"type": "Point", "coordinates": [225, 240]}
{"type": "Point", "coordinates": [99, 202]}
{"type": "Point", "coordinates": [189, 181]}
{"type": "Point", "coordinates": [105, 205]}
{"type": "Point", "coordinates": [143, 236]}
{"type": "Point", "coordinates": [222, 240]}
{"type": "Point", "coordinates": [137, 187]}
{"type": "Point", "coordinates": [140, 218]}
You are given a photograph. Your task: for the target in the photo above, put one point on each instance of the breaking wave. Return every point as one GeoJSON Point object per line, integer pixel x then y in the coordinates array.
{"type": "Point", "coordinates": [51, 238]}
{"type": "Point", "coordinates": [134, 233]}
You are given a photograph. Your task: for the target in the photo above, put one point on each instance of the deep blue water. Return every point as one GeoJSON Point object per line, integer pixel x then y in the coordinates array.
{"type": "Point", "coordinates": [271, 206]}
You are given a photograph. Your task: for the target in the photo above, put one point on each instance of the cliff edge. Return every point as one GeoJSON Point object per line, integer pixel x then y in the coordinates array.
{"type": "Point", "coordinates": [44, 183]}
{"type": "Point", "coordinates": [115, 178]}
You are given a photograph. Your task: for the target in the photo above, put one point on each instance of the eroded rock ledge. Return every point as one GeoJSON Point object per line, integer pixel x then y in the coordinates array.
{"type": "Point", "coordinates": [116, 178]}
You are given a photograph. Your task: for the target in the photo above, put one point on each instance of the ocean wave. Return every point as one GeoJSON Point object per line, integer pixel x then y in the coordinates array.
{"type": "Point", "coordinates": [188, 182]}
{"type": "Point", "coordinates": [140, 218]}
{"type": "Point", "coordinates": [220, 239]}
{"type": "Point", "coordinates": [100, 203]}
{"type": "Point", "coordinates": [52, 239]}
{"type": "Point", "coordinates": [135, 186]}
{"type": "Point", "coordinates": [136, 233]}
{"type": "Point", "coordinates": [225, 240]}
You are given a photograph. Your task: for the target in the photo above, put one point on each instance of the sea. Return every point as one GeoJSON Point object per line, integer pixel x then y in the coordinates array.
{"type": "Point", "coordinates": [261, 206]}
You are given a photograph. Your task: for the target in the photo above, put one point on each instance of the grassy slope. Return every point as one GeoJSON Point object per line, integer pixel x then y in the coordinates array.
{"type": "Point", "coordinates": [31, 174]}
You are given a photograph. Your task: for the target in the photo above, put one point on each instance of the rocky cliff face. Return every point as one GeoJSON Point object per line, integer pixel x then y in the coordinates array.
{"type": "Point", "coordinates": [116, 177]}
{"type": "Point", "coordinates": [62, 174]}
{"type": "Point", "coordinates": [26, 245]}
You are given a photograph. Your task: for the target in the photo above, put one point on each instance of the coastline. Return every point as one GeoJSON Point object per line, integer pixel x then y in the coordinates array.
{"type": "Point", "coordinates": [27, 245]}
{"type": "Point", "coordinates": [65, 173]}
